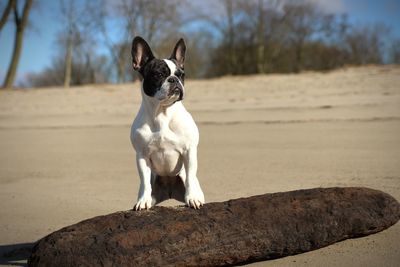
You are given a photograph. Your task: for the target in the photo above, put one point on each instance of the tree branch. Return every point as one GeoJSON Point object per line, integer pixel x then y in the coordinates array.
{"type": "Point", "coordinates": [25, 12]}
{"type": "Point", "coordinates": [7, 10]}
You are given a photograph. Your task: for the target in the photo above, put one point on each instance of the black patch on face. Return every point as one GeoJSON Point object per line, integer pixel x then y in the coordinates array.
{"type": "Point", "coordinates": [154, 74]}
{"type": "Point", "coordinates": [179, 72]}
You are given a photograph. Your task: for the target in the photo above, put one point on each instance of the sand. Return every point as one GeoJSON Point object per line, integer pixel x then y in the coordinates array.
{"type": "Point", "coordinates": [66, 154]}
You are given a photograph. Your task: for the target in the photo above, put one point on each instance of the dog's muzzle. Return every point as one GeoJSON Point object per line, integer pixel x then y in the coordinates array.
{"type": "Point", "coordinates": [176, 91]}
{"type": "Point", "coordinates": [175, 87]}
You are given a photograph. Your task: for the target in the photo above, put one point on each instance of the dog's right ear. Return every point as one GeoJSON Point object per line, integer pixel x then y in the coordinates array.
{"type": "Point", "coordinates": [141, 53]}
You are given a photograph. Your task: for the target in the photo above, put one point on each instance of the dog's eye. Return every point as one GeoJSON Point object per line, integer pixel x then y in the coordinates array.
{"type": "Point", "coordinates": [179, 73]}
{"type": "Point", "coordinates": [158, 75]}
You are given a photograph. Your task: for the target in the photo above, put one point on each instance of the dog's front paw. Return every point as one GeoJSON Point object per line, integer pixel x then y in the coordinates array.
{"type": "Point", "coordinates": [194, 198]}
{"type": "Point", "coordinates": [144, 202]}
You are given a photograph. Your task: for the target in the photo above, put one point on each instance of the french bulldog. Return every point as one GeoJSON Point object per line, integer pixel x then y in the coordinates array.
{"type": "Point", "coordinates": [164, 133]}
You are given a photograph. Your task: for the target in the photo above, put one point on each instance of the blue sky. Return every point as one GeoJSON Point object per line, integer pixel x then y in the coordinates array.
{"type": "Point", "coordinates": [39, 43]}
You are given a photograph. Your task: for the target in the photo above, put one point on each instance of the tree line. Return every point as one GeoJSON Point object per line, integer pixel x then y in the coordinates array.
{"type": "Point", "coordinates": [225, 37]}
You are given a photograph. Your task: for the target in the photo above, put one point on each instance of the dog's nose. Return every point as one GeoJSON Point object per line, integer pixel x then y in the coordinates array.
{"type": "Point", "coordinates": [171, 80]}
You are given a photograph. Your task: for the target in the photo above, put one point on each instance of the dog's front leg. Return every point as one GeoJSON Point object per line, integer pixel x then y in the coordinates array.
{"type": "Point", "coordinates": [145, 200]}
{"type": "Point", "coordinates": [194, 196]}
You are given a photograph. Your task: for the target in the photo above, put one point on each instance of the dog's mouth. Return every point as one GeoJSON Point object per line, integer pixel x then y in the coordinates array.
{"type": "Point", "coordinates": [176, 92]}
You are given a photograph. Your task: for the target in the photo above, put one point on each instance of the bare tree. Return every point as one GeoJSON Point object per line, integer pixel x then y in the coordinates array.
{"type": "Point", "coordinates": [21, 21]}
{"type": "Point", "coordinates": [365, 44]}
{"type": "Point", "coordinates": [77, 38]}
{"type": "Point", "coordinates": [256, 18]}
{"type": "Point", "coordinates": [7, 10]}
{"type": "Point", "coordinates": [68, 12]}
{"type": "Point", "coordinates": [135, 17]}
{"type": "Point", "coordinates": [70, 36]}
{"type": "Point", "coordinates": [223, 17]}
{"type": "Point", "coordinates": [116, 48]}
{"type": "Point", "coordinates": [229, 8]}
{"type": "Point", "coordinates": [261, 17]}
{"type": "Point", "coordinates": [230, 37]}
{"type": "Point", "coordinates": [260, 37]}
{"type": "Point", "coordinates": [301, 21]}
{"type": "Point", "coordinates": [394, 52]}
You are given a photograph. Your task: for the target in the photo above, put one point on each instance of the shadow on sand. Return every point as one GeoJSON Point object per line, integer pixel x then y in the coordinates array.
{"type": "Point", "coordinates": [15, 254]}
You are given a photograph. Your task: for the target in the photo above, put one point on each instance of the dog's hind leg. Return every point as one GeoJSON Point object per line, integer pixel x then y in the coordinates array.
{"type": "Point", "coordinates": [164, 188]}
{"type": "Point", "coordinates": [178, 189]}
{"type": "Point", "coordinates": [159, 189]}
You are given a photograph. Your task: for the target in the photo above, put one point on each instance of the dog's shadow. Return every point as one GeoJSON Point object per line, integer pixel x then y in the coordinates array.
{"type": "Point", "coordinates": [15, 254]}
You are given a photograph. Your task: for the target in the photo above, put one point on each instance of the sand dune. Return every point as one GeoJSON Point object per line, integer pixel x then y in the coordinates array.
{"type": "Point", "coordinates": [66, 155]}
{"type": "Point", "coordinates": [348, 94]}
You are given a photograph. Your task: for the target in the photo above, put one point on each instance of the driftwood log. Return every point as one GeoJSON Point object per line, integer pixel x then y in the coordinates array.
{"type": "Point", "coordinates": [233, 232]}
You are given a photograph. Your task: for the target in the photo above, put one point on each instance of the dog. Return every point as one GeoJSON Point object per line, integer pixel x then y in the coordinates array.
{"type": "Point", "coordinates": [164, 133]}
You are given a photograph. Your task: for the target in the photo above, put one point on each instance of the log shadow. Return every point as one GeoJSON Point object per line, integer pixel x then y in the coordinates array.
{"type": "Point", "coordinates": [15, 254]}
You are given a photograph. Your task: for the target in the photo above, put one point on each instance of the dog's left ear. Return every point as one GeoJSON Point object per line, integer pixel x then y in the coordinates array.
{"type": "Point", "coordinates": [179, 52]}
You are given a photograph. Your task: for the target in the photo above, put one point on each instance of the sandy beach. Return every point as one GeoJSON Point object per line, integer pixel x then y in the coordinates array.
{"type": "Point", "coordinates": [66, 153]}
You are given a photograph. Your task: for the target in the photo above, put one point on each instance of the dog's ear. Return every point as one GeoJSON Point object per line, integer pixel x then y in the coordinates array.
{"type": "Point", "coordinates": [141, 53]}
{"type": "Point", "coordinates": [179, 52]}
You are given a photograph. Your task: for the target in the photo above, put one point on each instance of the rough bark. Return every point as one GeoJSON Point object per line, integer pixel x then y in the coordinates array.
{"type": "Point", "coordinates": [20, 23]}
{"type": "Point", "coordinates": [233, 232]}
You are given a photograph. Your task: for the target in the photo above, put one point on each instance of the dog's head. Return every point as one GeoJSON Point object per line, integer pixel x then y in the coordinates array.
{"type": "Point", "coordinates": [163, 79]}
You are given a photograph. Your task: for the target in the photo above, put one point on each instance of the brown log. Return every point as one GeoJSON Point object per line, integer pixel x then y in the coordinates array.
{"type": "Point", "coordinates": [233, 232]}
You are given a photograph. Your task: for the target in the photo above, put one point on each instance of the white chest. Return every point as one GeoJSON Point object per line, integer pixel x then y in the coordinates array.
{"type": "Point", "coordinates": [163, 140]}
{"type": "Point", "coordinates": [163, 150]}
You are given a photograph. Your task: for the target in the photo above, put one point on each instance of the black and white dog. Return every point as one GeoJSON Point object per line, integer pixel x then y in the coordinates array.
{"type": "Point", "coordinates": [163, 133]}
